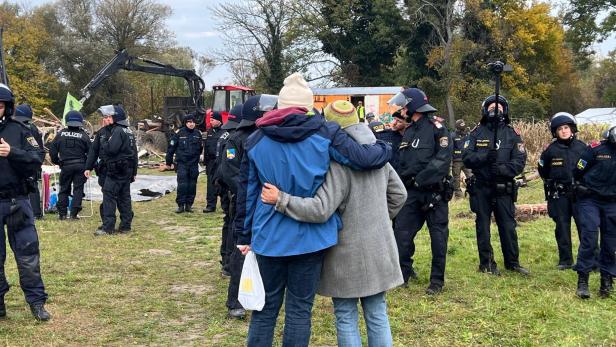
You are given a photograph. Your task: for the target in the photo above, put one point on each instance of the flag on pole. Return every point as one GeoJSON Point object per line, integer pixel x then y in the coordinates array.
{"type": "Point", "coordinates": [71, 104]}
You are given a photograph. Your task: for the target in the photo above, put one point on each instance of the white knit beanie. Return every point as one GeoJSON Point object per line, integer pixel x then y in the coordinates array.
{"type": "Point", "coordinates": [295, 93]}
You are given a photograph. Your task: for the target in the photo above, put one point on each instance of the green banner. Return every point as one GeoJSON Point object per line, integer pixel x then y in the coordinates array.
{"type": "Point", "coordinates": [71, 104]}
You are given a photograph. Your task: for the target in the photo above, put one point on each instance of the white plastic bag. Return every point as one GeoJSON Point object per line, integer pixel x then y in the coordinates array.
{"type": "Point", "coordinates": [251, 294]}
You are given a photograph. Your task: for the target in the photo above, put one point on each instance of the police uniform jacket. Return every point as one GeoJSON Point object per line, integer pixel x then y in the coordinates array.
{"type": "Point", "coordinates": [424, 153]}
{"type": "Point", "coordinates": [210, 144]}
{"type": "Point", "coordinates": [122, 149]}
{"type": "Point", "coordinates": [458, 138]}
{"type": "Point", "coordinates": [71, 146]}
{"type": "Point", "coordinates": [596, 169]}
{"type": "Point", "coordinates": [510, 157]}
{"type": "Point", "coordinates": [24, 159]}
{"type": "Point", "coordinates": [221, 155]}
{"type": "Point", "coordinates": [96, 149]}
{"type": "Point", "coordinates": [232, 157]}
{"type": "Point", "coordinates": [187, 146]}
{"type": "Point", "coordinates": [558, 160]}
{"type": "Point", "coordinates": [392, 138]}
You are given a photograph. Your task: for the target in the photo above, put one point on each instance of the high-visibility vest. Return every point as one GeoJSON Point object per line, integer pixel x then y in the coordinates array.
{"type": "Point", "coordinates": [361, 112]}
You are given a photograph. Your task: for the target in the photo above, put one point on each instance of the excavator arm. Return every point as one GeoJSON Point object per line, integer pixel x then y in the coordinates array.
{"type": "Point", "coordinates": [123, 61]}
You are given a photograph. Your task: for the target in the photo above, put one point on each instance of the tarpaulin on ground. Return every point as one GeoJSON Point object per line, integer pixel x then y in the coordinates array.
{"type": "Point", "coordinates": [145, 187]}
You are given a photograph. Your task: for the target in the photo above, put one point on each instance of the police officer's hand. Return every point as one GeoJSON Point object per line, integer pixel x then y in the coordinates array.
{"type": "Point", "coordinates": [494, 169]}
{"type": "Point", "coordinates": [492, 156]}
{"type": "Point", "coordinates": [269, 194]}
{"type": "Point", "coordinates": [5, 148]}
{"type": "Point", "coordinates": [87, 173]}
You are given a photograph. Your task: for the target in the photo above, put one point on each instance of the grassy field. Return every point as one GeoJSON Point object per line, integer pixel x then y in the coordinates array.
{"type": "Point", "coordinates": [161, 285]}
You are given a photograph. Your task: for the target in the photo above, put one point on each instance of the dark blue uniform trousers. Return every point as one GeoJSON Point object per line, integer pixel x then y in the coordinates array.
{"type": "Point", "coordinates": [25, 246]}
{"type": "Point", "coordinates": [408, 223]}
{"type": "Point", "coordinates": [116, 194]}
{"type": "Point", "coordinates": [187, 183]}
{"type": "Point", "coordinates": [595, 215]}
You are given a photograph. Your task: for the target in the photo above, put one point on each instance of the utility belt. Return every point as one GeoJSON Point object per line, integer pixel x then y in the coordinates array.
{"type": "Point", "coordinates": [581, 192]}
{"type": "Point", "coordinates": [14, 192]}
{"type": "Point", "coordinates": [442, 190]}
{"type": "Point", "coordinates": [499, 188]}
{"type": "Point", "coordinates": [555, 190]}
{"type": "Point", "coordinates": [72, 161]}
{"type": "Point", "coordinates": [121, 167]}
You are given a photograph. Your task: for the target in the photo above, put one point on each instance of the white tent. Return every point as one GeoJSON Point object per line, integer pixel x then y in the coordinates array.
{"type": "Point", "coordinates": [597, 116]}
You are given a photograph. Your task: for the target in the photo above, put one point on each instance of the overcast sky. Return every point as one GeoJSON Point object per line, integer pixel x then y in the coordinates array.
{"type": "Point", "coordinates": [194, 27]}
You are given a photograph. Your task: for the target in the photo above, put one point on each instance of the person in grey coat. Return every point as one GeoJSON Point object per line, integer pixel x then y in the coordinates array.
{"type": "Point", "coordinates": [364, 264]}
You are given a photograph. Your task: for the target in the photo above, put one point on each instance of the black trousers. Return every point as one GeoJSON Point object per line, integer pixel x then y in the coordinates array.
{"type": "Point", "coordinates": [234, 265]}
{"type": "Point", "coordinates": [116, 194]}
{"type": "Point", "coordinates": [483, 202]}
{"type": "Point", "coordinates": [35, 198]}
{"type": "Point", "coordinates": [225, 244]}
{"type": "Point", "coordinates": [25, 245]}
{"type": "Point", "coordinates": [408, 223]}
{"type": "Point", "coordinates": [211, 193]}
{"type": "Point", "coordinates": [71, 176]}
{"type": "Point", "coordinates": [187, 175]}
{"type": "Point", "coordinates": [561, 210]}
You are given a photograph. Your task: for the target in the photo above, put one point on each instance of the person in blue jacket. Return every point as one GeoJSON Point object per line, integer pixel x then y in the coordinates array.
{"type": "Point", "coordinates": [291, 149]}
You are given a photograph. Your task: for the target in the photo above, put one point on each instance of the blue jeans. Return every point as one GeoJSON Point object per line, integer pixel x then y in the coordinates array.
{"type": "Point", "coordinates": [375, 314]}
{"type": "Point", "coordinates": [298, 276]}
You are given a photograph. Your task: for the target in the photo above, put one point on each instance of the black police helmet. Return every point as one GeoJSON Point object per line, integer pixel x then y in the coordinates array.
{"type": "Point", "coordinates": [610, 134]}
{"type": "Point", "coordinates": [119, 117]}
{"type": "Point", "coordinates": [7, 96]}
{"type": "Point", "coordinates": [414, 99]}
{"type": "Point", "coordinates": [489, 101]}
{"type": "Point", "coordinates": [74, 119]}
{"type": "Point", "coordinates": [233, 118]}
{"type": "Point", "coordinates": [562, 118]}
{"type": "Point", "coordinates": [23, 113]}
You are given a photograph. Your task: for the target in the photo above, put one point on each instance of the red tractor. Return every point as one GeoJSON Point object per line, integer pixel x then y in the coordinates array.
{"type": "Point", "coordinates": [225, 97]}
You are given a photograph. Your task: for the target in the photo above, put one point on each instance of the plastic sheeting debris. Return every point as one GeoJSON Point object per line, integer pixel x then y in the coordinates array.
{"type": "Point", "coordinates": [145, 187]}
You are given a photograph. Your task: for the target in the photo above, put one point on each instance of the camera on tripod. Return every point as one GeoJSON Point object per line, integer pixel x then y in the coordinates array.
{"type": "Point", "coordinates": [499, 67]}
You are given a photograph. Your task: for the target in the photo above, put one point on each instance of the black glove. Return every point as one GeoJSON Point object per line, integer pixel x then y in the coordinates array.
{"type": "Point", "coordinates": [17, 217]}
{"type": "Point", "coordinates": [494, 169]}
{"type": "Point", "coordinates": [491, 156]}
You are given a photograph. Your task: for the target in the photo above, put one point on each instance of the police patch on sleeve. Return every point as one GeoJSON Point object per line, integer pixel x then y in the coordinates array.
{"type": "Point", "coordinates": [230, 153]}
{"type": "Point", "coordinates": [32, 141]}
{"type": "Point", "coordinates": [172, 143]}
{"type": "Point", "coordinates": [443, 141]}
{"type": "Point", "coordinates": [582, 164]}
{"type": "Point", "coordinates": [466, 143]}
{"type": "Point", "coordinates": [521, 147]}
{"type": "Point", "coordinates": [541, 162]}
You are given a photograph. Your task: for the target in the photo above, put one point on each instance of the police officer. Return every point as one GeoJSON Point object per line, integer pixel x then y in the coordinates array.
{"type": "Point", "coordinates": [70, 149]}
{"type": "Point", "coordinates": [361, 111]}
{"type": "Point", "coordinates": [227, 245]}
{"type": "Point", "coordinates": [121, 163]}
{"type": "Point", "coordinates": [424, 160]}
{"type": "Point", "coordinates": [252, 109]}
{"type": "Point", "coordinates": [492, 187]}
{"type": "Point", "coordinates": [391, 136]}
{"type": "Point", "coordinates": [23, 114]}
{"type": "Point", "coordinates": [596, 202]}
{"type": "Point", "coordinates": [556, 166]}
{"type": "Point", "coordinates": [19, 160]}
{"type": "Point", "coordinates": [209, 157]}
{"type": "Point", "coordinates": [97, 158]}
{"type": "Point", "coordinates": [459, 137]}
{"type": "Point", "coordinates": [187, 145]}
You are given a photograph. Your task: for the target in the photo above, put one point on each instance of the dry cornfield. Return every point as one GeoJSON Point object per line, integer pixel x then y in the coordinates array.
{"type": "Point", "coordinates": [537, 135]}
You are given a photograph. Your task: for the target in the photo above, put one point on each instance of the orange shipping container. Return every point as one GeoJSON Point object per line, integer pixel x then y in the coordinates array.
{"type": "Point", "coordinates": [374, 99]}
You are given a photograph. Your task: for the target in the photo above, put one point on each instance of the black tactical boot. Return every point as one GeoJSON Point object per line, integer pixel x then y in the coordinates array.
{"type": "Point", "coordinates": [491, 269]}
{"type": "Point", "coordinates": [74, 215]}
{"type": "Point", "coordinates": [582, 287]}
{"type": "Point", "coordinates": [606, 285]}
{"type": "Point", "coordinates": [180, 209]}
{"type": "Point", "coordinates": [209, 209]}
{"type": "Point", "coordinates": [39, 312]}
{"type": "Point", "coordinates": [61, 217]}
{"type": "Point", "coordinates": [521, 270]}
{"type": "Point", "coordinates": [2, 307]}
{"type": "Point", "coordinates": [188, 208]}
{"type": "Point", "coordinates": [434, 289]}
{"type": "Point", "coordinates": [101, 232]}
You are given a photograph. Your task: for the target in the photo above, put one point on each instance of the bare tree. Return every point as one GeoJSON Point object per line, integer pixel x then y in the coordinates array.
{"type": "Point", "coordinates": [442, 17]}
{"type": "Point", "coordinates": [133, 24]}
{"type": "Point", "coordinates": [265, 38]}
